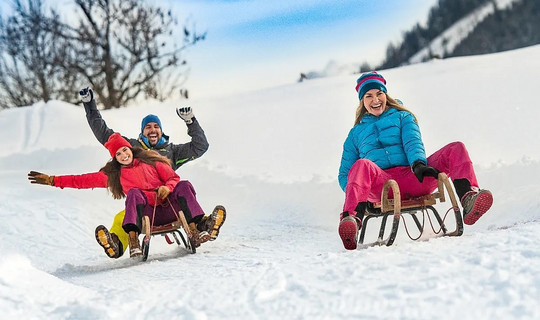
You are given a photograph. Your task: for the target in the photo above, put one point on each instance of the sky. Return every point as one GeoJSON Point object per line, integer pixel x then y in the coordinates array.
{"type": "Point", "coordinates": [254, 44]}
{"type": "Point", "coordinates": [274, 167]}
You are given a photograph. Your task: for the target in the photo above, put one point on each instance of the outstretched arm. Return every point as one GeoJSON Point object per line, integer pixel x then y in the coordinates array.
{"type": "Point", "coordinates": [93, 116]}
{"type": "Point", "coordinates": [40, 178]}
{"type": "Point", "coordinates": [82, 181]}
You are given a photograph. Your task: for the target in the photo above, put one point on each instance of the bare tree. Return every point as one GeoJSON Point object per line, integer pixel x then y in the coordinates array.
{"type": "Point", "coordinates": [29, 55]}
{"type": "Point", "coordinates": [121, 49]}
{"type": "Point", "coordinates": [124, 49]}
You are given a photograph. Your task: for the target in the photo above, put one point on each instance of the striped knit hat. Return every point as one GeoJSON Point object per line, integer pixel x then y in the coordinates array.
{"type": "Point", "coordinates": [368, 81]}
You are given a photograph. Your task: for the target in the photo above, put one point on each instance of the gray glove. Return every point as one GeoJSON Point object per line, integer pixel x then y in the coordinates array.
{"type": "Point", "coordinates": [86, 94]}
{"type": "Point", "coordinates": [186, 114]}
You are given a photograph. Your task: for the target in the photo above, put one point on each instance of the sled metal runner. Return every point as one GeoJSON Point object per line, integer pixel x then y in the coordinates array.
{"type": "Point", "coordinates": [396, 207]}
{"type": "Point", "coordinates": [179, 229]}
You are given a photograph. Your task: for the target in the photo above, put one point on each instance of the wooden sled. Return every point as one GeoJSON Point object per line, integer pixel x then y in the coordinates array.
{"type": "Point", "coordinates": [396, 207]}
{"type": "Point", "coordinates": [179, 229]}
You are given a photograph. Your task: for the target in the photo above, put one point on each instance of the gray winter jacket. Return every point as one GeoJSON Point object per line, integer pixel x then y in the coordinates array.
{"type": "Point", "coordinates": [178, 153]}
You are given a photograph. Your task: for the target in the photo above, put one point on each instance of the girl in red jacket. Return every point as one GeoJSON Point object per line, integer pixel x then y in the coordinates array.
{"type": "Point", "coordinates": [145, 179]}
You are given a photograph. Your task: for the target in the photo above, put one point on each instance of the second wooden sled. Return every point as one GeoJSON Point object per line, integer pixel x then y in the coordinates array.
{"type": "Point", "coordinates": [396, 207]}
{"type": "Point", "coordinates": [179, 229]}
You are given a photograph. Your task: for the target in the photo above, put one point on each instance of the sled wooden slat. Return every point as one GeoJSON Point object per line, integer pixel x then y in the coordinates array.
{"type": "Point", "coordinates": [167, 227]}
{"type": "Point", "coordinates": [427, 200]}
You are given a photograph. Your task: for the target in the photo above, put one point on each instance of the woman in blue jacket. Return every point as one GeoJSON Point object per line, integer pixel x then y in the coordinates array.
{"type": "Point", "coordinates": [385, 143]}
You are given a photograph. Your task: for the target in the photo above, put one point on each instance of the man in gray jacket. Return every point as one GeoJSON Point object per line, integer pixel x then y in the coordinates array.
{"type": "Point", "coordinates": [152, 138]}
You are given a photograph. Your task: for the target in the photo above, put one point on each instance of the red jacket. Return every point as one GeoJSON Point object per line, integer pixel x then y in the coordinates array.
{"type": "Point", "coordinates": [137, 175]}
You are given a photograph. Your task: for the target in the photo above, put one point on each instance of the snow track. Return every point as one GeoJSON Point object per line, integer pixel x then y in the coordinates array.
{"type": "Point", "coordinates": [278, 255]}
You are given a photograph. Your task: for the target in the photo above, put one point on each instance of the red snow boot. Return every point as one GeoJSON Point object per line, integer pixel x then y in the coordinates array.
{"type": "Point", "coordinates": [475, 203]}
{"type": "Point", "coordinates": [348, 230]}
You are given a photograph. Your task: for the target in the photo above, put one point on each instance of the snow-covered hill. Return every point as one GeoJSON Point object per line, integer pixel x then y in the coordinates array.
{"type": "Point", "coordinates": [273, 161]}
{"type": "Point", "coordinates": [452, 37]}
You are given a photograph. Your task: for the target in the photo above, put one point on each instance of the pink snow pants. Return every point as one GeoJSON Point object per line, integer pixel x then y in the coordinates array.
{"type": "Point", "coordinates": [365, 180]}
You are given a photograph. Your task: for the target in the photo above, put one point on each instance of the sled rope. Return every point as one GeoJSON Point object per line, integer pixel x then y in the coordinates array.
{"type": "Point", "coordinates": [423, 223]}
{"type": "Point", "coordinates": [153, 216]}
{"type": "Point", "coordinates": [182, 220]}
{"type": "Point", "coordinates": [443, 219]}
{"type": "Point", "coordinates": [172, 208]}
{"type": "Point", "coordinates": [424, 214]}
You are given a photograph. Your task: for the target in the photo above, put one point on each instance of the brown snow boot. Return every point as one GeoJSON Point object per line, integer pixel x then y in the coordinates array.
{"type": "Point", "coordinates": [109, 242]}
{"type": "Point", "coordinates": [213, 222]}
{"type": "Point", "coordinates": [134, 245]}
{"type": "Point", "coordinates": [198, 236]}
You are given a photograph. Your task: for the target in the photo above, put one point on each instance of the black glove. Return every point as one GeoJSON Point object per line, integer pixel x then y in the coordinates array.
{"type": "Point", "coordinates": [40, 178]}
{"type": "Point", "coordinates": [421, 170]}
{"type": "Point", "coordinates": [86, 94]}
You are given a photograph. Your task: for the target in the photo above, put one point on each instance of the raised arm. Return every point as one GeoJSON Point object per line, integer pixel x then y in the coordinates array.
{"type": "Point", "coordinates": [198, 145]}
{"type": "Point", "coordinates": [93, 116]}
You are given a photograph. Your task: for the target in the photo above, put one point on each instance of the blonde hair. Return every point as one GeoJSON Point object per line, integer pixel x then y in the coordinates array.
{"type": "Point", "coordinates": [390, 103]}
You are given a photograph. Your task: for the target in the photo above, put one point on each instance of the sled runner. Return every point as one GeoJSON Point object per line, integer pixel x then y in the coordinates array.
{"type": "Point", "coordinates": [179, 229]}
{"type": "Point", "coordinates": [396, 207]}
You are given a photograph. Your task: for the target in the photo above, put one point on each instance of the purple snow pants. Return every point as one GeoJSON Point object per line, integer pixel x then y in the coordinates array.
{"type": "Point", "coordinates": [164, 213]}
{"type": "Point", "coordinates": [365, 180]}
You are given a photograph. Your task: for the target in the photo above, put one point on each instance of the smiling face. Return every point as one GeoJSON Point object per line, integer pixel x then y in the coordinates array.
{"type": "Point", "coordinates": [124, 155]}
{"type": "Point", "coordinates": [375, 102]}
{"type": "Point", "coordinates": [152, 132]}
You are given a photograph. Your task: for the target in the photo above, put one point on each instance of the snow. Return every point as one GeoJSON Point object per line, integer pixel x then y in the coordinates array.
{"type": "Point", "coordinates": [450, 38]}
{"type": "Point", "coordinates": [273, 161]}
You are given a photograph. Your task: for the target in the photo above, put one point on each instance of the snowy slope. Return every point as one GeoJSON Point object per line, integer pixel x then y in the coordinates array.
{"type": "Point", "coordinates": [273, 161]}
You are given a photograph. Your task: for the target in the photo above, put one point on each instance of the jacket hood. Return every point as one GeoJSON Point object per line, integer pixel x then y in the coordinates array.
{"type": "Point", "coordinates": [163, 141]}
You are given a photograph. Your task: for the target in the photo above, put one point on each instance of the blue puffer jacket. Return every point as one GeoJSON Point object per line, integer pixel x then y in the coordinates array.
{"type": "Point", "coordinates": [389, 140]}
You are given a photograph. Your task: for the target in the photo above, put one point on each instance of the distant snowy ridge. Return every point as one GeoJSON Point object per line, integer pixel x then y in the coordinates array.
{"type": "Point", "coordinates": [449, 39]}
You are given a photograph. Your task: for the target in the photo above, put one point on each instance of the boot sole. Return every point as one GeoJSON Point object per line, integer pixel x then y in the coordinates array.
{"type": "Point", "coordinates": [135, 253]}
{"type": "Point", "coordinates": [103, 240]}
{"type": "Point", "coordinates": [203, 237]}
{"type": "Point", "coordinates": [220, 214]}
{"type": "Point", "coordinates": [347, 232]}
{"type": "Point", "coordinates": [481, 206]}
